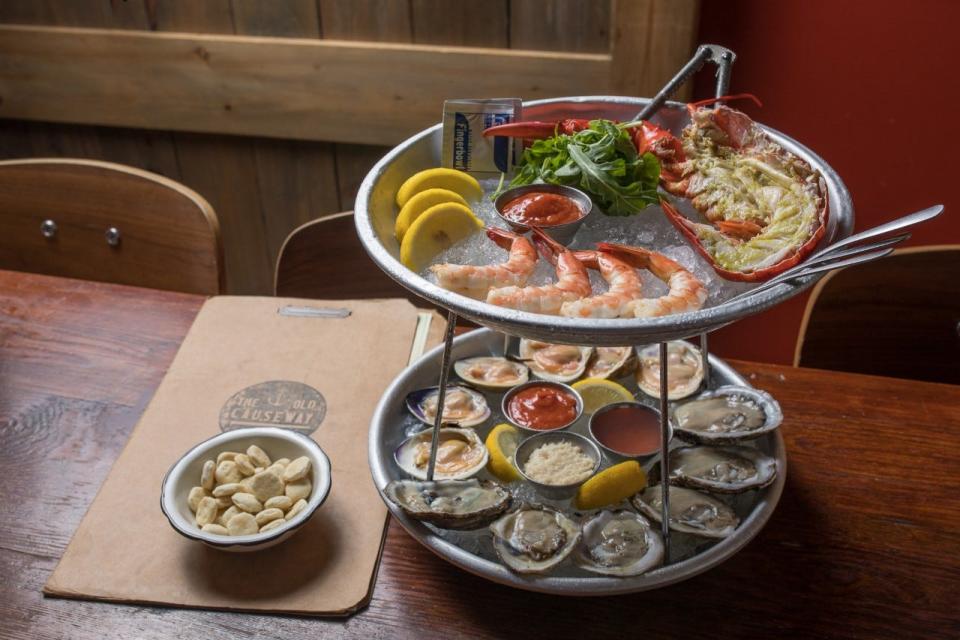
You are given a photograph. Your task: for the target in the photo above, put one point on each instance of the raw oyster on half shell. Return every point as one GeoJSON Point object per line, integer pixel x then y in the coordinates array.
{"type": "Point", "coordinates": [684, 369]}
{"type": "Point", "coordinates": [450, 504]}
{"type": "Point", "coordinates": [460, 454]}
{"type": "Point", "coordinates": [534, 539]}
{"type": "Point", "coordinates": [462, 405]}
{"type": "Point", "coordinates": [726, 414]}
{"type": "Point", "coordinates": [690, 511]}
{"type": "Point", "coordinates": [555, 362]}
{"type": "Point", "coordinates": [729, 469]}
{"type": "Point", "coordinates": [619, 543]}
{"type": "Point", "coordinates": [492, 372]}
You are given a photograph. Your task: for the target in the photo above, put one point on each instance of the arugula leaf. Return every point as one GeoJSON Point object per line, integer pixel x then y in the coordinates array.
{"type": "Point", "coordinates": [602, 161]}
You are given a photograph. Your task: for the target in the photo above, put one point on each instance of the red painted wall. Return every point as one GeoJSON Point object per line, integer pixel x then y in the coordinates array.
{"type": "Point", "coordinates": [874, 88]}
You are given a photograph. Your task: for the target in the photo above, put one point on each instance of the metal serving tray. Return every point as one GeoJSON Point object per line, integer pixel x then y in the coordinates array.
{"type": "Point", "coordinates": [392, 423]}
{"type": "Point", "coordinates": [376, 210]}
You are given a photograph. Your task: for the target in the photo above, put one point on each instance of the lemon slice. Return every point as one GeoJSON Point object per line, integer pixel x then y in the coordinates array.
{"type": "Point", "coordinates": [450, 179]}
{"type": "Point", "coordinates": [438, 228]}
{"type": "Point", "coordinates": [419, 203]}
{"type": "Point", "coordinates": [611, 485]}
{"type": "Point", "coordinates": [501, 443]}
{"type": "Point", "coordinates": [598, 392]}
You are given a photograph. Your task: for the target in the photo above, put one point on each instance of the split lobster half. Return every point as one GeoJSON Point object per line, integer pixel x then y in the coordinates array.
{"type": "Point", "coordinates": [765, 208]}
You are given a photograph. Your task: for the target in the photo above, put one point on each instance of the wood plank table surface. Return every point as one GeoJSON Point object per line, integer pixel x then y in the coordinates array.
{"type": "Point", "coordinates": [864, 544]}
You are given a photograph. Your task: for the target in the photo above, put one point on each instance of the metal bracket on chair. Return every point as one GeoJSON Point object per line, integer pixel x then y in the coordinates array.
{"type": "Point", "coordinates": [720, 56]}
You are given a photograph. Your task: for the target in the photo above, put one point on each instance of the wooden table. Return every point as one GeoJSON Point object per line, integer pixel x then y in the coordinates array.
{"type": "Point", "coordinates": [864, 544]}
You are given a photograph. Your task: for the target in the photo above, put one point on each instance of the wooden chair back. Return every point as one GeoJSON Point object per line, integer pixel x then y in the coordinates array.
{"type": "Point", "coordinates": [897, 317]}
{"type": "Point", "coordinates": [55, 215]}
{"type": "Point", "coordinates": [324, 259]}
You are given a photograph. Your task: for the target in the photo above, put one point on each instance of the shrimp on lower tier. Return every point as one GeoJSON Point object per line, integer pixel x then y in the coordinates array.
{"type": "Point", "coordinates": [572, 283]}
{"type": "Point", "coordinates": [477, 280]}
{"type": "Point", "coordinates": [687, 292]}
{"type": "Point", "coordinates": [624, 287]}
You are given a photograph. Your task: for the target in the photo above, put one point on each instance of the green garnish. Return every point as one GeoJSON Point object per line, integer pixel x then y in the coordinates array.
{"type": "Point", "coordinates": [602, 161]}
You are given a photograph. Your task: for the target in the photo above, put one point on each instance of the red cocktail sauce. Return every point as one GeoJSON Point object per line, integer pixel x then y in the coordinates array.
{"type": "Point", "coordinates": [542, 407]}
{"type": "Point", "coordinates": [632, 431]}
{"type": "Point", "coordinates": [542, 209]}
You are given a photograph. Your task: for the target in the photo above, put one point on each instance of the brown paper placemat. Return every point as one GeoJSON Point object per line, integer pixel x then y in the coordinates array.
{"type": "Point", "coordinates": [125, 550]}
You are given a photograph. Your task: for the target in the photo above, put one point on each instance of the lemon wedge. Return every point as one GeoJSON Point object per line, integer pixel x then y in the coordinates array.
{"type": "Point", "coordinates": [438, 228]}
{"type": "Point", "coordinates": [598, 392]}
{"type": "Point", "coordinates": [501, 444]}
{"type": "Point", "coordinates": [611, 485]}
{"type": "Point", "coordinates": [449, 179]}
{"type": "Point", "coordinates": [419, 203]}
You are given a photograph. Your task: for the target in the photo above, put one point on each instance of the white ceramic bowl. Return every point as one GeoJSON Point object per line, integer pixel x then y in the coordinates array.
{"type": "Point", "coordinates": [277, 443]}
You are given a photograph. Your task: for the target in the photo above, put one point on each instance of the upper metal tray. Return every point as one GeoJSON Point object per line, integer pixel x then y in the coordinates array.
{"type": "Point", "coordinates": [375, 213]}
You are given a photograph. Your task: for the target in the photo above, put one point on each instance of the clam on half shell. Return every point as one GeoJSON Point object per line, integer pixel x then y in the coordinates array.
{"type": "Point", "coordinates": [611, 362]}
{"type": "Point", "coordinates": [729, 469]}
{"type": "Point", "coordinates": [460, 454]}
{"type": "Point", "coordinates": [555, 362]}
{"type": "Point", "coordinates": [690, 511]}
{"type": "Point", "coordinates": [450, 504]}
{"type": "Point", "coordinates": [619, 543]}
{"type": "Point", "coordinates": [492, 372]}
{"type": "Point", "coordinates": [462, 405]}
{"type": "Point", "coordinates": [684, 369]}
{"type": "Point", "coordinates": [534, 539]}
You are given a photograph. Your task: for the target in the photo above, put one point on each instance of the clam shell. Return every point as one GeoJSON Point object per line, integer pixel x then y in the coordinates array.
{"type": "Point", "coordinates": [611, 362]}
{"type": "Point", "coordinates": [406, 453]}
{"type": "Point", "coordinates": [736, 427]}
{"type": "Point", "coordinates": [690, 511]}
{"type": "Point", "coordinates": [729, 469]}
{"type": "Point", "coordinates": [450, 504]}
{"type": "Point", "coordinates": [541, 356]}
{"type": "Point", "coordinates": [619, 543]}
{"type": "Point", "coordinates": [648, 369]}
{"type": "Point", "coordinates": [415, 405]}
{"type": "Point", "coordinates": [534, 539]}
{"type": "Point", "coordinates": [467, 368]}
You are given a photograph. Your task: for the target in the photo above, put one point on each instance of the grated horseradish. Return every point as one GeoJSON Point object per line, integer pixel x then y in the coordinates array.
{"type": "Point", "coordinates": [558, 463]}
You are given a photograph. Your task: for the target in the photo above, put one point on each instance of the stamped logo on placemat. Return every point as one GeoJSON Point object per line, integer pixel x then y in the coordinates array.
{"type": "Point", "coordinates": [277, 403]}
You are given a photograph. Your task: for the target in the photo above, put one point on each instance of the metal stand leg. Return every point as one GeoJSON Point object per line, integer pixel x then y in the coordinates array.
{"type": "Point", "coordinates": [664, 454]}
{"type": "Point", "coordinates": [441, 396]}
{"type": "Point", "coordinates": [705, 352]}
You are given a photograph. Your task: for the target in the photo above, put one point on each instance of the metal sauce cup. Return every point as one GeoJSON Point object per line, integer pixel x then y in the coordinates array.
{"type": "Point", "coordinates": [622, 455]}
{"type": "Point", "coordinates": [555, 491]}
{"type": "Point", "coordinates": [505, 404]}
{"type": "Point", "coordinates": [562, 233]}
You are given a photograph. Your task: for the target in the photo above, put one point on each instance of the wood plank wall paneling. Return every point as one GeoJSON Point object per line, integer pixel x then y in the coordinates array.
{"type": "Point", "coordinates": [264, 188]}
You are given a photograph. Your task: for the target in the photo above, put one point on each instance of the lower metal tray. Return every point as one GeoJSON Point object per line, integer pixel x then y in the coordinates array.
{"type": "Point", "coordinates": [473, 552]}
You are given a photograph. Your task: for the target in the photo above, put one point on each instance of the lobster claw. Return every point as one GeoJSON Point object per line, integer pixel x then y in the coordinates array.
{"type": "Point", "coordinates": [536, 130]}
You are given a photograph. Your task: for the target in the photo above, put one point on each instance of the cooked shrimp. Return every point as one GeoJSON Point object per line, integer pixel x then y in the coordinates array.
{"type": "Point", "coordinates": [572, 282]}
{"type": "Point", "coordinates": [624, 287]}
{"type": "Point", "coordinates": [477, 280]}
{"type": "Point", "coordinates": [686, 292]}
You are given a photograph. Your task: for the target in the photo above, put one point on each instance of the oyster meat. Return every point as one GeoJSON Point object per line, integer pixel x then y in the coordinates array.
{"type": "Point", "coordinates": [684, 370]}
{"type": "Point", "coordinates": [611, 362]}
{"type": "Point", "coordinates": [727, 414]}
{"type": "Point", "coordinates": [460, 454]}
{"type": "Point", "coordinates": [619, 543]}
{"type": "Point", "coordinates": [492, 372]}
{"type": "Point", "coordinates": [555, 362]}
{"type": "Point", "coordinates": [721, 469]}
{"type": "Point", "coordinates": [534, 539]}
{"type": "Point", "coordinates": [690, 511]}
{"type": "Point", "coordinates": [450, 504]}
{"type": "Point", "coordinates": [462, 405]}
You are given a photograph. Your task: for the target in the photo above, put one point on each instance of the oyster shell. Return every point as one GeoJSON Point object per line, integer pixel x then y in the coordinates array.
{"type": "Point", "coordinates": [462, 405]}
{"type": "Point", "coordinates": [619, 543]}
{"type": "Point", "coordinates": [726, 414]}
{"type": "Point", "coordinates": [721, 469]}
{"type": "Point", "coordinates": [555, 362]}
{"type": "Point", "coordinates": [450, 504]}
{"type": "Point", "coordinates": [611, 362]}
{"type": "Point", "coordinates": [690, 511]}
{"type": "Point", "coordinates": [684, 369]}
{"type": "Point", "coordinates": [460, 454]}
{"type": "Point", "coordinates": [534, 539]}
{"type": "Point", "coordinates": [492, 372]}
